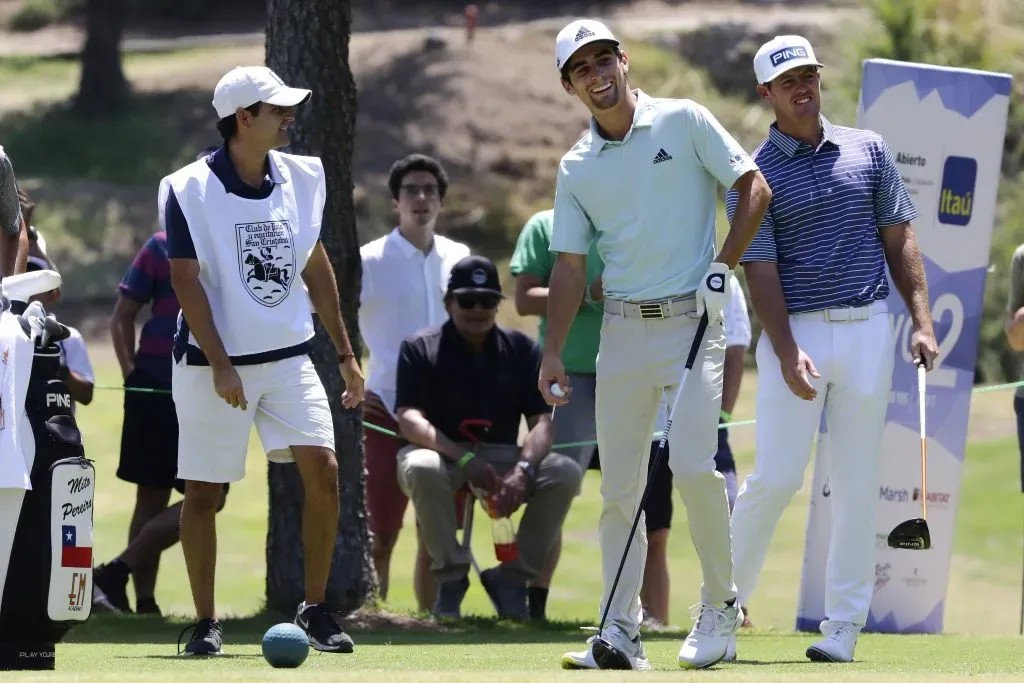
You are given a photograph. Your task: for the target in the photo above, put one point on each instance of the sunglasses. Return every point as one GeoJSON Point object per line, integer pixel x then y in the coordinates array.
{"type": "Point", "coordinates": [486, 301]}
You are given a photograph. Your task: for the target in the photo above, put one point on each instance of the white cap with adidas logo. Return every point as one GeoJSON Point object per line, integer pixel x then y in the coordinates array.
{"type": "Point", "coordinates": [577, 34]}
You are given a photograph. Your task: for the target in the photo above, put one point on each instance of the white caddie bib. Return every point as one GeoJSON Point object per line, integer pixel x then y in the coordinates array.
{"type": "Point", "coordinates": [251, 252]}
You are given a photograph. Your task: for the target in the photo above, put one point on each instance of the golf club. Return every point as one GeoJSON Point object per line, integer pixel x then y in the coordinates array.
{"type": "Point", "coordinates": [605, 654]}
{"type": "Point", "coordinates": [467, 428]}
{"type": "Point", "coordinates": [913, 534]}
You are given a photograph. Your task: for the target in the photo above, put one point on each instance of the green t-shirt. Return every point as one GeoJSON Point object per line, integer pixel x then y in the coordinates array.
{"type": "Point", "coordinates": [1017, 289]}
{"type": "Point", "coordinates": [533, 257]}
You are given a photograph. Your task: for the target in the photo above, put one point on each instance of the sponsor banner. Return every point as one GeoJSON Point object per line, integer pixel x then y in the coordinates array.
{"type": "Point", "coordinates": [945, 128]}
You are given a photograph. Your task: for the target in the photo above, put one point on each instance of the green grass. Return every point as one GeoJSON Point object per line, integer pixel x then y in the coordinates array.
{"type": "Point", "coordinates": [986, 554]}
{"type": "Point", "coordinates": [499, 656]}
{"type": "Point", "coordinates": [985, 573]}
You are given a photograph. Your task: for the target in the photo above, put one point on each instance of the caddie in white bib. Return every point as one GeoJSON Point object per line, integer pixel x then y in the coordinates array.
{"type": "Point", "coordinates": [243, 228]}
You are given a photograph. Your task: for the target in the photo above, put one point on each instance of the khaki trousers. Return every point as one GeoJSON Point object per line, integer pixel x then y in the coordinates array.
{"type": "Point", "coordinates": [430, 481]}
{"type": "Point", "coordinates": [638, 360]}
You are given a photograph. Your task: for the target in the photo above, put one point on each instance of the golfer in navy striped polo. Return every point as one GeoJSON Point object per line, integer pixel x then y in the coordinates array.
{"type": "Point", "coordinates": [817, 275]}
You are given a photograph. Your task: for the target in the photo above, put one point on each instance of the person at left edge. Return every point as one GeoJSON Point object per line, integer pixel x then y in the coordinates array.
{"type": "Point", "coordinates": [242, 224]}
{"type": "Point", "coordinates": [14, 242]}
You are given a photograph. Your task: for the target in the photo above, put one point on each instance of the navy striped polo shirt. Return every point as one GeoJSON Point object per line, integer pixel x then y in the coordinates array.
{"type": "Point", "coordinates": [828, 205]}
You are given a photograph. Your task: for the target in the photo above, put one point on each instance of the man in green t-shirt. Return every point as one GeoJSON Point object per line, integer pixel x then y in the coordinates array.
{"type": "Point", "coordinates": [1015, 337]}
{"type": "Point", "coordinates": [531, 265]}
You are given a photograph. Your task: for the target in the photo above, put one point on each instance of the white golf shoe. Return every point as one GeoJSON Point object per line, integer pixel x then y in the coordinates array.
{"type": "Point", "coordinates": [708, 642]}
{"type": "Point", "coordinates": [838, 644]}
{"type": "Point", "coordinates": [632, 651]}
{"type": "Point", "coordinates": [730, 652]}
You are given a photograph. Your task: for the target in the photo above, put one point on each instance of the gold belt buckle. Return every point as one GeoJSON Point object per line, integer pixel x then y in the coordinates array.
{"type": "Point", "coordinates": [652, 311]}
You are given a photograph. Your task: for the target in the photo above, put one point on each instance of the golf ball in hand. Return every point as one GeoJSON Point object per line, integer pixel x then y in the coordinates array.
{"type": "Point", "coordinates": [557, 390]}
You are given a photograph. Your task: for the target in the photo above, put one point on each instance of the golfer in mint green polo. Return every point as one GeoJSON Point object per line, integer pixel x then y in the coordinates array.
{"type": "Point", "coordinates": [531, 265]}
{"type": "Point", "coordinates": [644, 183]}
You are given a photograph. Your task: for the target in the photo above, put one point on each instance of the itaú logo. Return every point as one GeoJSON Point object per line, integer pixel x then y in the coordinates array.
{"type": "Point", "coordinates": [956, 198]}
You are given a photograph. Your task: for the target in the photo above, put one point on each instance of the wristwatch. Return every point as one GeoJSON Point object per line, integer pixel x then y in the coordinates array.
{"type": "Point", "coordinates": [525, 466]}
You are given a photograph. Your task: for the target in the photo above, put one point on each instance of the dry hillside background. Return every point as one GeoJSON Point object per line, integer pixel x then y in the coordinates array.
{"type": "Point", "coordinates": [491, 110]}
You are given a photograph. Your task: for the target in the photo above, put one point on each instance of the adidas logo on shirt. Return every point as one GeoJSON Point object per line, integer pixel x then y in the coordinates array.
{"type": "Point", "coordinates": [584, 32]}
{"type": "Point", "coordinates": [661, 156]}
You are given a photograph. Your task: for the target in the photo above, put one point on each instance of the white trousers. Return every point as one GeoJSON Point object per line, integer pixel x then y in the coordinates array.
{"type": "Point", "coordinates": [855, 360]}
{"type": "Point", "coordinates": [637, 361]}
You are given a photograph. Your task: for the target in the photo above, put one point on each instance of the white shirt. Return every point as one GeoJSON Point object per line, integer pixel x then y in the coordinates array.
{"type": "Point", "coordinates": [737, 333]}
{"type": "Point", "coordinates": [76, 355]}
{"type": "Point", "coordinates": [402, 293]}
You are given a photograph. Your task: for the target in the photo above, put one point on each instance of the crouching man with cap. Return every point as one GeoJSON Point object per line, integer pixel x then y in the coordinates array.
{"type": "Point", "coordinates": [462, 389]}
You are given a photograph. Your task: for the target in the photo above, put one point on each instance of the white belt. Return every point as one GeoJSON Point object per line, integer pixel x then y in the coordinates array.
{"type": "Point", "coordinates": [846, 314]}
{"type": "Point", "coordinates": [652, 310]}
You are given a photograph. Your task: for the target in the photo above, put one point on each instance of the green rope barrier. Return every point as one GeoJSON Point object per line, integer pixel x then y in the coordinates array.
{"type": "Point", "coordinates": [570, 444]}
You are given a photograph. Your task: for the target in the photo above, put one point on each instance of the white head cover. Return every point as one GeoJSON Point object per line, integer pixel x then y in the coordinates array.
{"type": "Point", "coordinates": [246, 85]}
{"type": "Point", "coordinates": [782, 53]}
{"type": "Point", "coordinates": [577, 34]}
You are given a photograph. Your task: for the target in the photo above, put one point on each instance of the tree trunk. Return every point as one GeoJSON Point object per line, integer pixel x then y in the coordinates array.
{"type": "Point", "coordinates": [103, 89]}
{"type": "Point", "coordinates": [307, 45]}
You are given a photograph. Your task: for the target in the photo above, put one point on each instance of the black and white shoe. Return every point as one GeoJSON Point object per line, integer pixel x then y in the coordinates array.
{"type": "Point", "coordinates": [205, 639]}
{"type": "Point", "coordinates": [324, 633]}
{"type": "Point", "coordinates": [110, 588]}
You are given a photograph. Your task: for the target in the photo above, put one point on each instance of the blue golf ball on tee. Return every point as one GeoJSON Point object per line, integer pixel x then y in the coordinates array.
{"type": "Point", "coordinates": [285, 646]}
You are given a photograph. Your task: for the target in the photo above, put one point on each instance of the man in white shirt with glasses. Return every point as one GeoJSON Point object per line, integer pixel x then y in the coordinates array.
{"type": "Point", "coordinates": [404, 278]}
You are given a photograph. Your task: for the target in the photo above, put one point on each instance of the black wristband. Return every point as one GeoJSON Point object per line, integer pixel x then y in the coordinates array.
{"type": "Point", "coordinates": [525, 466]}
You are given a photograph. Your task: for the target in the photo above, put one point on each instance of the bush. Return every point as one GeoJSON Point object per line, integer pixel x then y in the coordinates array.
{"type": "Point", "coordinates": [33, 15]}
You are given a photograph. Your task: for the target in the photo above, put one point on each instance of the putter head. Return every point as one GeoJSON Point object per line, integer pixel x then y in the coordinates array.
{"type": "Point", "coordinates": [912, 534]}
{"type": "Point", "coordinates": [608, 657]}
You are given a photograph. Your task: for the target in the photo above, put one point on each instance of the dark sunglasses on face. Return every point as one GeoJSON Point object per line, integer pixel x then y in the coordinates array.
{"type": "Point", "coordinates": [429, 191]}
{"type": "Point", "coordinates": [486, 301]}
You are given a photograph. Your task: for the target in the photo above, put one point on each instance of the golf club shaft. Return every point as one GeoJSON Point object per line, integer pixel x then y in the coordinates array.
{"type": "Point", "coordinates": [921, 396]}
{"type": "Point", "coordinates": [690, 359]}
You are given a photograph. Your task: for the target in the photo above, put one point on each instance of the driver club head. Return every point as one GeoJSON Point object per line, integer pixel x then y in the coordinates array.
{"type": "Point", "coordinates": [912, 534]}
{"type": "Point", "coordinates": [608, 657]}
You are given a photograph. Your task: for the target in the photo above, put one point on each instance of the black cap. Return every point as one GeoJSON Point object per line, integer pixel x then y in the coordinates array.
{"type": "Point", "coordinates": [474, 274]}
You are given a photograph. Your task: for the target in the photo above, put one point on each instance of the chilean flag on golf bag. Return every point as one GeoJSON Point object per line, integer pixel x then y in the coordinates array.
{"type": "Point", "coordinates": [72, 554]}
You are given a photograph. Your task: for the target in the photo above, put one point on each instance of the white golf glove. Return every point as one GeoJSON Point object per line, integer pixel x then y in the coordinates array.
{"type": "Point", "coordinates": [714, 290]}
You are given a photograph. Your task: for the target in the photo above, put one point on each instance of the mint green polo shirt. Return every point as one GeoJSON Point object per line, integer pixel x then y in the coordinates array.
{"type": "Point", "coordinates": [533, 256]}
{"type": "Point", "coordinates": [650, 200]}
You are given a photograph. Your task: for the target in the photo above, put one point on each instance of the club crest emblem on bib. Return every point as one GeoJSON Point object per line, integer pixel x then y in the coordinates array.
{"type": "Point", "coordinates": [266, 260]}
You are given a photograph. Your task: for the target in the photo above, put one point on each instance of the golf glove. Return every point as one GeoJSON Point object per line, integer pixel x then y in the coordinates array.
{"type": "Point", "coordinates": [714, 290]}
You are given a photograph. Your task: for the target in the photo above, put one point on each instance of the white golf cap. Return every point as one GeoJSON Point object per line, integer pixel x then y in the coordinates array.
{"type": "Point", "coordinates": [577, 34]}
{"type": "Point", "coordinates": [782, 53]}
{"type": "Point", "coordinates": [246, 85]}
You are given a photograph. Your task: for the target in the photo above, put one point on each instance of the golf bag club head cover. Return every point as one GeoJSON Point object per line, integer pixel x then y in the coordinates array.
{"type": "Point", "coordinates": [47, 586]}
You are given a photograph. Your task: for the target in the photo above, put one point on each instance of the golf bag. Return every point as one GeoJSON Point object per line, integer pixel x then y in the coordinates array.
{"type": "Point", "coordinates": [46, 530]}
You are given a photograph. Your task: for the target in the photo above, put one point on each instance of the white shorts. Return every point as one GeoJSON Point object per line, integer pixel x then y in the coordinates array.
{"type": "Point", "coordinates": [286, 402]}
